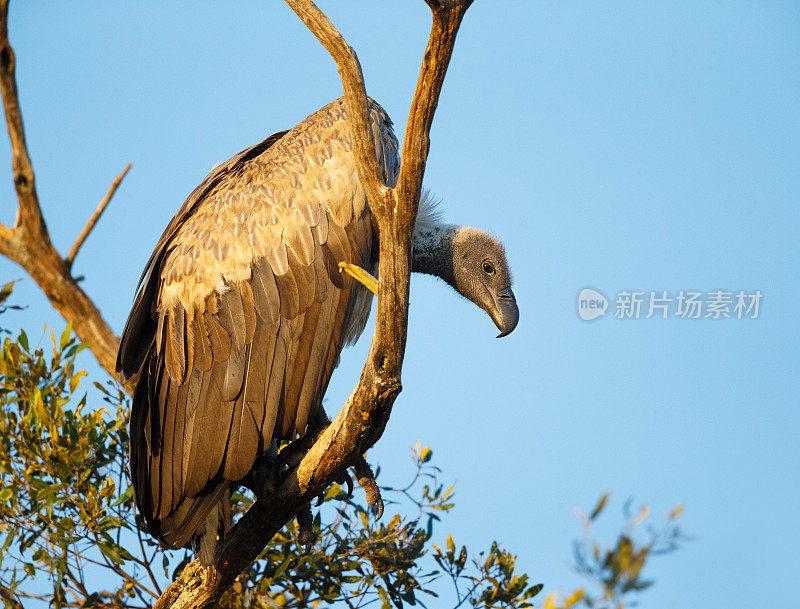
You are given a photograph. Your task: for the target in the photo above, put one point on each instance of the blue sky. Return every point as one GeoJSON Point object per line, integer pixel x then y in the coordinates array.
{"type": "Point", "coordinates": [613, 145]}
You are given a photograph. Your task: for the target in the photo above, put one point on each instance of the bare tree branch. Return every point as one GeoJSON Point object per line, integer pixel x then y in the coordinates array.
{"type": "Point", "coordinates": [73, 251]}
{"type": "Point", "coordinates": [28, 242]}
{"type": "Point", "coordinates": [363, 417]}
{"type": "Point", "coordinates": [446, 21]}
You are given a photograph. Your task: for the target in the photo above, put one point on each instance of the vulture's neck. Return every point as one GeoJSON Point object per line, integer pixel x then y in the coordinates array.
{"type": "Point", "coordinates": [433, 242]}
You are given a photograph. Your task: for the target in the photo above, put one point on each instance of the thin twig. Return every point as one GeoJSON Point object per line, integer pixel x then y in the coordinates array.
{"type": "Point", "coordinates": [73, 251]}
{"type": "Point", "coordinates": [147, 562]}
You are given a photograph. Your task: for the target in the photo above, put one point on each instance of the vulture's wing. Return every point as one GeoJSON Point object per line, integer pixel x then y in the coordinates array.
{"type": "Point", "coordinates": [243, 314]}
{"type": "Point", "coordinates": [139, 331]}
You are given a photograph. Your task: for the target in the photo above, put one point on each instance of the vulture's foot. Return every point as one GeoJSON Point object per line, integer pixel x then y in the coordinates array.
{"type": "Point", "coordinates": [367, 481]}
{"type": "Point", "coordinates": [291, 454]}
{"type": "Point", "coordinates": [359, 274]}
{"type": "Point", "coordinates": [264, 477]}
{"type": "Point", "coordinates": [305, 528]}
{"type": "Point", "coordinates": [344, 479]}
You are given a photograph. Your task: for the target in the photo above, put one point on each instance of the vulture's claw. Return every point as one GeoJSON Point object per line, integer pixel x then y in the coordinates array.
{"type": "Point", "coordinates": [348, 480]}
{"type": "Point", "coordinates": [305, 528]}
{"type": "Point", "coordinates": [367, 481]}
{"type": "Point", "coordinates": [377, 509]}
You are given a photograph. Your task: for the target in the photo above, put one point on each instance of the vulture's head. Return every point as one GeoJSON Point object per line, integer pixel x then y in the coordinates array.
{"type": "Point", "coordinates": [470, 260]}
{"type": "Point", "coordinates": [481, 274]}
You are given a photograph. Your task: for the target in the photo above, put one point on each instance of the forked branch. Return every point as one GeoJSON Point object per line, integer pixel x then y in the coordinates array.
{"type": "Point", "coordinates": [362, 419]}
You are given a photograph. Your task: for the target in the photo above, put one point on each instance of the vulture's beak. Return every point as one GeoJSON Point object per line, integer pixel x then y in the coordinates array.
{"type": "Point", "coordinates": [505, 313]}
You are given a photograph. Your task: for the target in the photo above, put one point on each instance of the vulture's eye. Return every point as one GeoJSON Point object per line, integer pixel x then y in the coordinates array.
{"type": "Point", "coordinates": [488, 268]}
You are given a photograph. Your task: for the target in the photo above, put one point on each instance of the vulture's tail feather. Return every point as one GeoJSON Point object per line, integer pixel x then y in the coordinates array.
{"type": "Point", "coordinates": [216, 524]}
{"type": "Point", "coordinates": [197, 520]}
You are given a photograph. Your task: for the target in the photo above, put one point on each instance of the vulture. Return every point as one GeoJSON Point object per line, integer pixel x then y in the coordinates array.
{"type": "Point", "coordinates": [242, 311]}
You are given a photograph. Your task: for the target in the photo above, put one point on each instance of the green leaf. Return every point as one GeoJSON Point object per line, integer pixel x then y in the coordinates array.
{"type": "Point", "coordinates": [110, 552]}
{"type": "Point", "coordinates": [65, 336]}
{"type": "Point", "coordinates": [75, 380]}
{"type": "Point", "coordinates": [283, 566]}
{"type": "Point", "coordinates": [533, 591]}
{"type": "Point", "coordinates": [124, 497]}
{"type": "Point", "coordinates": [6, 494]}
{"type": "Point", "coordinates": [23, 340]}
{"type": "Point", "coordinates": [384, 597]}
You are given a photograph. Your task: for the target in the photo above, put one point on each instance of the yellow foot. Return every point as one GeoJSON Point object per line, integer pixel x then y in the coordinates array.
{"type": "Point", "coordinates": [359, 274]}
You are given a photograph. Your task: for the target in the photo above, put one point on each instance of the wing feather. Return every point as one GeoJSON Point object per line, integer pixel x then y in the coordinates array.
{"type": "Point", "coordinates": [299, 363]}
{"type": "Point", "coordinates": [202, 345]}
{"type": "Point", "coordinates": [175, 348]}
{"type": "Point", "coordinates": [289, 295]}
{"type": "Point", "coordinates": [194, 388]}
{"type": "Point", "coordinates": [231, 317]}
{"type": "Point", "coordinates": [304, 278]}
{"type": "Point", "coordinates": [249, 309]}
{"type": "Point", "coordinates": [265, 292]}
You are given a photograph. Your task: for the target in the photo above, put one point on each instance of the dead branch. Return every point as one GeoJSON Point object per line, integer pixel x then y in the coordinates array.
{"type": "Point", "coordinates": [73, 251]}
{"type": "Point", "coordinates": [28, 242]}
{"type": "Point", "coordinates": [362, 419]}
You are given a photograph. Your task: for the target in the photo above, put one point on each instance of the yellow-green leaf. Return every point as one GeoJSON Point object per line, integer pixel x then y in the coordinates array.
{"type": "Point", "coordinates": [599, 507]}
{"type": "Point", "coordinates": [573, 598]}
{"type": "Point", "coordinates": [65, 335]}
{"type": "Point", "coordinates": [76, 380]}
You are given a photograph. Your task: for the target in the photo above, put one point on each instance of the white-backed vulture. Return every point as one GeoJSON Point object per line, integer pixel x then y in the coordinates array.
{"type": "Point", "coordinates": [242, 313]}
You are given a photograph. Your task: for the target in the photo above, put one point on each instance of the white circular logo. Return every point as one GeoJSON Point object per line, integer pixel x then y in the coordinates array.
{"type": "Point", "coordinates": [591, 304]}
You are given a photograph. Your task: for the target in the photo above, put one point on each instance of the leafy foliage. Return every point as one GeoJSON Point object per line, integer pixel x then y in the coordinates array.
{"type": "Point", "coordinates": [68, 535]}
{"type": "Point", "coordinates": [357, 561]}
{"type": "Point", "coordinates": [62, 466]}
{"type": "Point", "coordinates": [615, 570]}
